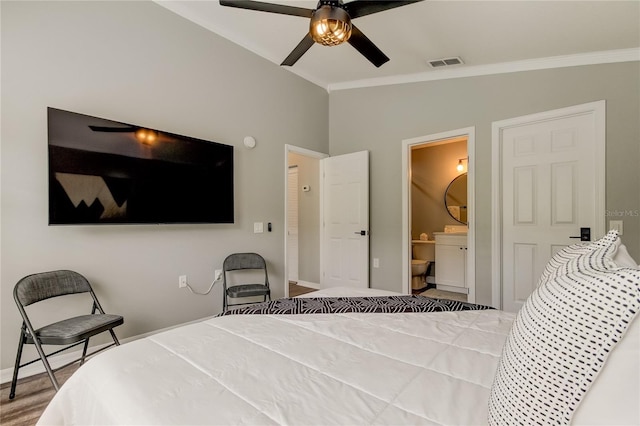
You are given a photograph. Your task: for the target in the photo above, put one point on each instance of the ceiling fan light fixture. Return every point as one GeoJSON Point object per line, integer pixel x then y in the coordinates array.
{"type": "Point", "coordinates": [330, 26]}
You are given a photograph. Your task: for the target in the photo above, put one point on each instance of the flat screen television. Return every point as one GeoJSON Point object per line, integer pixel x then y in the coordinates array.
{"type": "Point", "coordinates": [107, 172]}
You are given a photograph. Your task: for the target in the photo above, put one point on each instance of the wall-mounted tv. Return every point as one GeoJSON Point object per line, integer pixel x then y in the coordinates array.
{"type": "Point", "coordinates": [108, 172]}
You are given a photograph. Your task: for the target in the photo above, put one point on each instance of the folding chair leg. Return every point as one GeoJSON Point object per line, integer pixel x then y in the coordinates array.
{"type": "Point", "coordinates": [43, 358]}
{"type": "Point", "coordinates": [84, 350]}
{"type": "Point", "coordinates": [14, 381]}
{"type": "Point", "coordinates": [113, 336]}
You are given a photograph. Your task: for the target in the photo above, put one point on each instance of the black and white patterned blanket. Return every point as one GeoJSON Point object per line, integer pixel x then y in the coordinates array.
{"type": "Point", "coordinates": [373, 304]}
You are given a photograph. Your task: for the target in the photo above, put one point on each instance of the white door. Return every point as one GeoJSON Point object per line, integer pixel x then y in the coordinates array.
{"type": "Point", "coordinates": [552, 184]}
{"type": "Point", "coordinates": [292, 223]}
{"type": "Point", "coordinates": [345, 233]}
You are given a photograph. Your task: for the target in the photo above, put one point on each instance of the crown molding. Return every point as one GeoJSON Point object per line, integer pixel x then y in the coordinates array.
{"type": "Point", "coordinates": [591, 58]}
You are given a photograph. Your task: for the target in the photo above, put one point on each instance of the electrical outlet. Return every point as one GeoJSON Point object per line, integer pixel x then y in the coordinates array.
{"type": "Point", "coordinates": [182, 281]}
{"type": "Point", "coordinates": [217, 274]}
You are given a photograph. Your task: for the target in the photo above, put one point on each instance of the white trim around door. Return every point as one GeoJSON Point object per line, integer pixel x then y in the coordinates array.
{"type": "Point", "coordinates": [407, 144]}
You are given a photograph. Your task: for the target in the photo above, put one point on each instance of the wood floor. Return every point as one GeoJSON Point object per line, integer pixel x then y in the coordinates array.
{"type": "Point", "coordinates": [442, 294]}
{"type": "Point", "coordinates": [297, 290]}
{"type": "Point", "coordinates": [32, 396]}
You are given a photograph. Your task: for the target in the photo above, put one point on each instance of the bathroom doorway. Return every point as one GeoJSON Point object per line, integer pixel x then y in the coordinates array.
{"type": "Point", "coordinates": [433, 165]}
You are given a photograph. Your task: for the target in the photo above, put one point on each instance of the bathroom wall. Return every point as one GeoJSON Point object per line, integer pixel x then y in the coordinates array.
{"type": "Point", "coordinates": [433, 167]}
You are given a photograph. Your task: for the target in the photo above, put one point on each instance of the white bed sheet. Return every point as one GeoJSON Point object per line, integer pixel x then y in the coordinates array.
{"type": "Point", "coordinates": [348, 369]}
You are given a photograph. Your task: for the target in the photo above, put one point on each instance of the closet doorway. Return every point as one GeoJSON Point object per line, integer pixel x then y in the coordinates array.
{"type": "Point", "coordinates": [412, 233]}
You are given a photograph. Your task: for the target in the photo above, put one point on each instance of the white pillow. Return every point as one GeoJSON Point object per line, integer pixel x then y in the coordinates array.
{"type": "Point", "coordinates": [562, 337]}
{"type": "Point", "coordinates": [558, 264]}
{"type": "Point", "coordinates": [614, 396]}
{"type": "Point", "coordinates": [623, 259]}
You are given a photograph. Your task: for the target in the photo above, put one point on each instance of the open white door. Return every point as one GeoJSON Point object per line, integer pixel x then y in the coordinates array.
{"type": "Point", "coordinates": [345, 233]}
{"type": "Point", "coordinates": [551, 185]}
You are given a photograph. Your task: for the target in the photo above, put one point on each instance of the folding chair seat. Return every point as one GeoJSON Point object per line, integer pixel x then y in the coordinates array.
{"type": "Point", "coordinates": [68, 332]}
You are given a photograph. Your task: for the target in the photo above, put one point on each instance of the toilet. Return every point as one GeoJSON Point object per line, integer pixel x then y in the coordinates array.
{"type": "Point", "coordinates": [422, 253]}
{"type": "Point", "coordinates": [418, 273]}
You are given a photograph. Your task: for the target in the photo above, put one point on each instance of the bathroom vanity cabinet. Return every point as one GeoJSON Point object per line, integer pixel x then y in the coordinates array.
{"type": "Point", "coordinates": [451, 262]}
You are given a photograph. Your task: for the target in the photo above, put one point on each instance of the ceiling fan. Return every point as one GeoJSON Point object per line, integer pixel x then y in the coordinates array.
{"type": "Point", "coordinates": [330, 24]}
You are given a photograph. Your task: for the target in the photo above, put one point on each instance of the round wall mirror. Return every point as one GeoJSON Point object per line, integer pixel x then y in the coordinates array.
{"type": "Point", "coordinates": [455, 198]}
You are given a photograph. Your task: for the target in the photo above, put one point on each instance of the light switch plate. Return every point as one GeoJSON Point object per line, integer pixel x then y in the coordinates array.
{"type": "Point", "coordinates": [617, 225]}
{"type": "Point", "coordinates": [258, 227]}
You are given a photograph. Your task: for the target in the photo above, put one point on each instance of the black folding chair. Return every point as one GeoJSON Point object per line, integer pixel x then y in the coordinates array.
{"type": "Point", "coordinates": [69, 332]}
{"type": "Point", "coordinates": [244, 261]}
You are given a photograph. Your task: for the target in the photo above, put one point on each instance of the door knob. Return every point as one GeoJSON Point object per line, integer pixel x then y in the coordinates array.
{"type": "Point", "coordinates": [585, 234]}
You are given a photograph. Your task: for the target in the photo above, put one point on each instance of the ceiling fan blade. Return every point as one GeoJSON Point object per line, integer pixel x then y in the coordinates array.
{"type": "Point", "coordinates": [366, 47]}
{"type": "Point", "coordinates": [358, 8]}
{"type": "Point", "coordinates": [268, 7]}
{"type": "Point", "coordinates": [299, 50]}
{"type": "Point", "coordinates": [113, 129]}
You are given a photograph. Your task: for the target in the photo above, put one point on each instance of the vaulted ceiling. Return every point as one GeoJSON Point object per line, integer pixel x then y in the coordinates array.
{"type": "Point", "coordinates": [489, 36]}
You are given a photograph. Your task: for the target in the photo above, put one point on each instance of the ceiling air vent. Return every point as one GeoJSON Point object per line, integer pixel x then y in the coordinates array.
{"type": "Point", "coordinates": [445, 62]}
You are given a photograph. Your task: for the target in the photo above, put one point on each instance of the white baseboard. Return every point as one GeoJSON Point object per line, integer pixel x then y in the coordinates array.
{"type": "Point", "coordinates": [309, 284]}
{"type": "Point", "coordinates": [57, 361]}
{"type": "Point", "coordinates": [452, 289]}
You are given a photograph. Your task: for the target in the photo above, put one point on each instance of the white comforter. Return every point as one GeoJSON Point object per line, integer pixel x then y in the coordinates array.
{"type": "Point", "coordinates": [347, 369]}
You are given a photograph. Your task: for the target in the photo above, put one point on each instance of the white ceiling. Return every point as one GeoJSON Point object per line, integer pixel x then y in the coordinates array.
{"type": "Point", "coordinates": [489, 36]}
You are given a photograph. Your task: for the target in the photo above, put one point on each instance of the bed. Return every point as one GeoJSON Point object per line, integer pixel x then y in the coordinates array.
{"type": "Point", "coordinates": [399, 366]}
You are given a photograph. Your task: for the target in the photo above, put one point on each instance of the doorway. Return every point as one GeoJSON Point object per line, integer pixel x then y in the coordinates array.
{"type": "Point", "coordinates": [302, 219]}
{"type": "Point", "coordinates": [333, 219]}
{"type": "Point", "coordinates": [408, 146]}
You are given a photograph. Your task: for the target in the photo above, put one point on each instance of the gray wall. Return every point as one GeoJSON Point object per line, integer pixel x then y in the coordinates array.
{"type": "Point", "coordinates": [379, 118]}
{"type": "Point", "coordinates": [432, 170]}
{"type": "Point", "coordinates": [308, 217]}
{"type": "Point", "coordinates": [138, 63]}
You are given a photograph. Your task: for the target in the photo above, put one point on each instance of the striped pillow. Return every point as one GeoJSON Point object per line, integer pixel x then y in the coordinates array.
{"type": "Point", "coordinates": [560, 263]}
{"type": "Point", "coordinates": [562, 337]}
